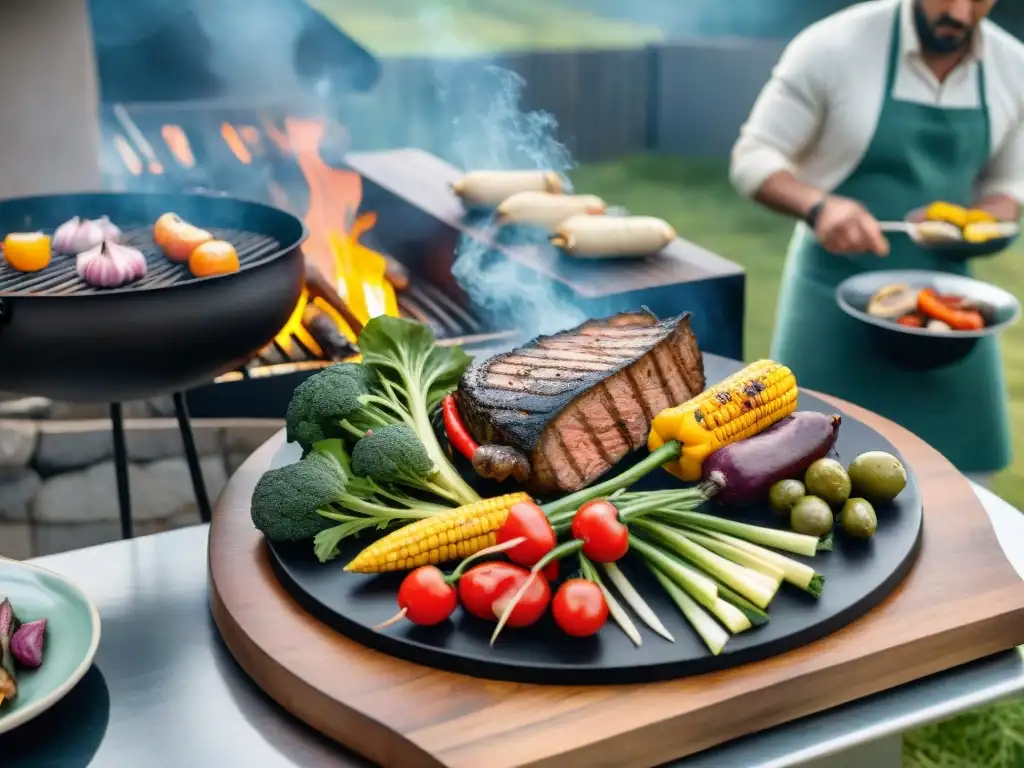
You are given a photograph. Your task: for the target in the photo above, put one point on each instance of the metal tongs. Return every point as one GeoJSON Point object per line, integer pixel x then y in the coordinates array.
{"type": "Point", "coordinates": [943, 233]}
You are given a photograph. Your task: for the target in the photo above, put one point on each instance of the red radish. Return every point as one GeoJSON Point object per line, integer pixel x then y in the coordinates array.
{"type": "Point", "coordinates": [425, 597]}
{"type": "Point", "coordinates": [530, 605]}
{"type": "Point", "coordinates": [579, 608]}
{"type": "Point", "coordinates": [528, 521]}
{"type": "Point", "coordinates": [482, 585]}
{"type": "Point", "coordinates": [605, 538]}
{"type": "Point", "coordinates": [428, 597]}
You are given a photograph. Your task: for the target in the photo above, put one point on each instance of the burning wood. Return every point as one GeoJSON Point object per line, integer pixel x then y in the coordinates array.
{"type": "Point", "coordinates": [332, 341]}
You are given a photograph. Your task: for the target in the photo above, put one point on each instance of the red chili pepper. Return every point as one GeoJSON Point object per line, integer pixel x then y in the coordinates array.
{"type": "Point", "coordinates": [579, 608]}
{"type": "Point", "coordinates": [527, 520]}
{"type": "Point", "coordinates": [605, 538]}
{"type": "Point", "coordinates": [456, 430]}
{"type": "Point", "coordinates": [485, 590]}
{"type": "Point", "coordinates": [928, 303]}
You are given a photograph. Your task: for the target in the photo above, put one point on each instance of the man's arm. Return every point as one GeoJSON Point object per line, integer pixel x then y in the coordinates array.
{"type": "Point", "coordinates": [1001, 191]}
{"type": "Point", "coordinates": [785, 120]}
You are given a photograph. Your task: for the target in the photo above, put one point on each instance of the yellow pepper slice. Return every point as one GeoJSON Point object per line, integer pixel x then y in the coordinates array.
{"type": "Point", "coordinates": [27, 251]}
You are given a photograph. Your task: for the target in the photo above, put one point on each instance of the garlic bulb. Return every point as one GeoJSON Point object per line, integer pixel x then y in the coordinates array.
{"type": "Point", "coordinates": [109, 265]}
{"type": "Point", "coordinates": [79, 235]}
{"type": "Point", "coordinates": [111, 231]}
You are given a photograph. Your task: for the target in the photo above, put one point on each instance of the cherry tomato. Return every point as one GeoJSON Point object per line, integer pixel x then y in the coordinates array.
{"type": "Point", "coordinates": [485, 588]}
{"type": "Point", "coordinates": [426, 596]}
{"type": "Point", "coordinates": [552, 570]}
{"type": "Point", "coordinates": [528, 520]}
{"type": "Point", "coordinates": [605, 538]}
{"type": "Point", "coordinates": [579, 608]}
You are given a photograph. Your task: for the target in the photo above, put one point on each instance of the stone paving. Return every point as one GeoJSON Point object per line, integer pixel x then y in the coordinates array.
{"type": "Point", "coordinates": [57, 483]}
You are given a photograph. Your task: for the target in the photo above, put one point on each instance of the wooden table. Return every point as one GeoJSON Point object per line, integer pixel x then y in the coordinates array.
{"type": "Point", "coordinates": [961, 602]}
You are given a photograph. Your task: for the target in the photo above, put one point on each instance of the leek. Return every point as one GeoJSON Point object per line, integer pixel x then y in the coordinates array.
{"type": "Point", "coordinates": [614, 608]}
{"type": "Point", "coordinates": [788, 541]}
{"type": "Point", "coordinates": [695, 583]}
{"type": "Point", "coordinates": [738, 555]}
{"type": "Point", "coordinates": [636, 601]}
{"type": "Point", "coordinates": [754, 586]}
{"type": "Point", "coordinates": [710, 632]}
{"type": "Point", "coordinates": [796, 573]}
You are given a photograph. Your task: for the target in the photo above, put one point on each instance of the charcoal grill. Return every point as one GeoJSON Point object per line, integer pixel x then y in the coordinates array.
{"type": "Point", "coordinates": [62, 339]}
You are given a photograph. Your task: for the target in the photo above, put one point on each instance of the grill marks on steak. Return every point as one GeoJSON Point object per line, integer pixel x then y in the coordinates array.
{"type": "Point", "coordinates": [576, 403]}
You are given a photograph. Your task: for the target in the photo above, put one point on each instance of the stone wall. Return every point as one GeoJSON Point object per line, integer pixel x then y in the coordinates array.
{"type": "Point", "coordinates": [57, 482]}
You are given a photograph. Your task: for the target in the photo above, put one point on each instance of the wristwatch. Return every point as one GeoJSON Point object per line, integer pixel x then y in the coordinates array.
{"type": "Point", "coordinates": [815, 211]}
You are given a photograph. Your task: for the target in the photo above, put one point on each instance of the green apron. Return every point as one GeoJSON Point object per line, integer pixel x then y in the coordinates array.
{"type": "Point", "coordinates": [918, 154]}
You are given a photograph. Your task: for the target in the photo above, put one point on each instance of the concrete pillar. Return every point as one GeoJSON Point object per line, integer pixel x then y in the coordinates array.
{"type": "Point", "coordinates": [49, 98]}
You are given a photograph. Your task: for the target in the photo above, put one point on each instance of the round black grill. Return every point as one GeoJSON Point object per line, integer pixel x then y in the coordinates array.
{"type": "Point", "coordinates": [60, 278]}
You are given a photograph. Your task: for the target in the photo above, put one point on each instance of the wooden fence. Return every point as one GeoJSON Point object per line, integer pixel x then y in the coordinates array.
{"type": "Point", "coordinates": [683, 98]}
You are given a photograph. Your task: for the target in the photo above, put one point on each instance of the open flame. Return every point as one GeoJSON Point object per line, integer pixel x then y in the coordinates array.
{"type": "Point", "coordinates": [357, 271]}
{"type": "Point", "coordinates": [334, 247]}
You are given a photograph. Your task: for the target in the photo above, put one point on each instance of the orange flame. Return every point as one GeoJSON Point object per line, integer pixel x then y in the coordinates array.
{"type": "Point", "coordinates": [235, 143]}
{"type": "Point", "coordinates": [177, 142]}
{"type": "Point", "coordinates": [333, 245]}
{"type": "Point", "coordinates": [128, 157]}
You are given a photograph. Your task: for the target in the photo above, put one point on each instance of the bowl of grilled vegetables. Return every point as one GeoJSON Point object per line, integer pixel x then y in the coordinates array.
{"type": "Point", "coordinates": [926, 319]}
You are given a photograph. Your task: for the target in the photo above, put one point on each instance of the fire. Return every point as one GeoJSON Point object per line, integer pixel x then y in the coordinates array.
{"type": "Point", "coordinates": [235, 143]}
{"type": "Point", "coordinates": [333, 245]}
{"type": "Point", "coordinates": [128, 157]}
{"type": "Point", "coordinates": [177, 142]}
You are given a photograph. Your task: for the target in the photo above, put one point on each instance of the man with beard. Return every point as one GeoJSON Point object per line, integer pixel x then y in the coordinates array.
{"type": "Point", "coordinates": [871, 115]}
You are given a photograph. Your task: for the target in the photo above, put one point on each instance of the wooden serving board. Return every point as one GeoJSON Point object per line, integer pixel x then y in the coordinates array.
{"type": "Point", "coordinates": [961, 601]}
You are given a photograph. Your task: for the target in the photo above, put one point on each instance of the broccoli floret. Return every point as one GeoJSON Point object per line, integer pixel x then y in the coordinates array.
{"type": "Point", "coordinates": [322, 402]}
{"type": "Point", "coordinates": [394, 454]}
{"type": "Point", "coordinates": [285, 500]}
{"type": "Point", "coordinates": [299, 501]}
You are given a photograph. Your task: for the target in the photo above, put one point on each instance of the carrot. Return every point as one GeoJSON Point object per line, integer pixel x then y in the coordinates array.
{"type": "Point", "coordinates": [930, 304]}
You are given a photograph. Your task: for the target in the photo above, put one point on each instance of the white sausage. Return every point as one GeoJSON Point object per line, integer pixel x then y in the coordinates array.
{"type": "Point", "coordinates": [610, 236]}
{"type": "Point", "coordinates": [544, 209]}
{"type": "Point", "coordinates": [488, 188]}
{"type": "Point", "coordinates": [937, 232]}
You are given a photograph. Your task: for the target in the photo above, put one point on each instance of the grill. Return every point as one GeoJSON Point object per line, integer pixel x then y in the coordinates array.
{"type": "Point", "coordinates": [61, 277]}
{"type": "Point", "coordinates": [64, 339]}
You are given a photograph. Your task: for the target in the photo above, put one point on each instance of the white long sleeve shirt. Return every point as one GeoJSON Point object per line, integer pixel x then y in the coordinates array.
{"type": "Point", "coordinates": [817, 114]}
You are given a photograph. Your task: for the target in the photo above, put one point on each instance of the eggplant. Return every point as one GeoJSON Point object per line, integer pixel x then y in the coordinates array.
{"type": "Point", "coordinates": [744, 472]}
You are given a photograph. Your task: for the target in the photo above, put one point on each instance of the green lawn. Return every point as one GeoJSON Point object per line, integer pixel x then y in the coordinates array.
{"type": "Point", "coordinates": [444, 28]}
{"type": "Point", "coordinates": [696, 198]}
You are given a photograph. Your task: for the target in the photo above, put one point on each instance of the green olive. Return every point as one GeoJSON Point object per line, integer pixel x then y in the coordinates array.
{"type": "Point", "coordinates": [784, 494]}
{"type": "Point", "coordinates": [877, 476]}
{"type": "Point", "coordinates": [811, 516]}
{"type": "Point", "coordinates": [858, 519]}
{"type": "Point", "coordinates": [827, 479]}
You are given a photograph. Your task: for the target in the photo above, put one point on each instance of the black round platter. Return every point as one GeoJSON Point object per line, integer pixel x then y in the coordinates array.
{"type": "Point", "coordinates": [858, 576]}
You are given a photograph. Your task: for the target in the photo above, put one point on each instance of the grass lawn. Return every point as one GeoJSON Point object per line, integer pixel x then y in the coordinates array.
{"type": "Point", "coordinates": [467, 27]}
{"type": "Point", "coordinates": [696, 198]}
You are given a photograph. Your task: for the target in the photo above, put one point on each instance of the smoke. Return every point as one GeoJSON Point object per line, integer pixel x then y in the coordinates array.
{"type": "Point", "coordinates": [479, 105]}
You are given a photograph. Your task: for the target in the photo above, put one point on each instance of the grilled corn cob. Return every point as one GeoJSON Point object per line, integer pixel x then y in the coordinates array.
{"type": "Point", "coordinates": [451, 535]}
{"type": "Point", "coordinates": [739, 407]}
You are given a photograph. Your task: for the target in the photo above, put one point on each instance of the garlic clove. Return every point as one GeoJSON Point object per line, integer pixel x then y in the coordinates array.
{"type": "Point", "coordinates": [89, 235]}
{"type": "Point", "coordinates": [110, 265]}
{"type": "Point", "coordinates": [64, 236]}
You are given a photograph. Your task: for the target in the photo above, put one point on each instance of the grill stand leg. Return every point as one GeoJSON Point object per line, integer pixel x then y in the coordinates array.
{"type": "Point", "coordinates": [192, 457]}
{"type": "Point", "coordinates": [124, 498]}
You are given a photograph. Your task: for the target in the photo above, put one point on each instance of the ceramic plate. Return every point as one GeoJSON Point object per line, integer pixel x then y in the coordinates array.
{"type": "Point", "coordinates": [72, 636]}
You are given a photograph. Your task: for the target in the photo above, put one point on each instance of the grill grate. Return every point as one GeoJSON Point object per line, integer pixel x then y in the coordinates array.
{"type": "Point", "coordinates": [60, 278]}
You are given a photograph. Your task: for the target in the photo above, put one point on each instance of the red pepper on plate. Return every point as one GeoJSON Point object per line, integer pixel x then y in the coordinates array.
{"type": "Point", "coordinates": [456, 430]}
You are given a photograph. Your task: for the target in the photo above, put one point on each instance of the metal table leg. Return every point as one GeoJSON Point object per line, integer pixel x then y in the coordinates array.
{"type": "Point", "coordinates": [192, 457]}
{"type": "Point", "coordinates": [124, 498]}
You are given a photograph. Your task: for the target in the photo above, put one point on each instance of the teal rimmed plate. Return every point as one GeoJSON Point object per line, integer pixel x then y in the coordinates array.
{"type": "Point", "coordinates": [72, 636]}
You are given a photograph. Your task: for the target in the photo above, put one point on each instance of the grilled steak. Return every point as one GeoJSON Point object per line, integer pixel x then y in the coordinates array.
{"type": "Point", "coordinates": [576, 403]}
